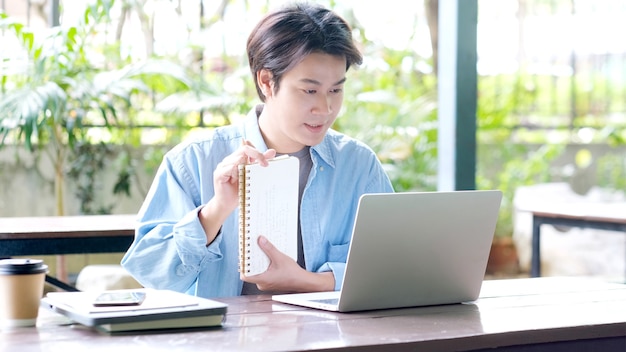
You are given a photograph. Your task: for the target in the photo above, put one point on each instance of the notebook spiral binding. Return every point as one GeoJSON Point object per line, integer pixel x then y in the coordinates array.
{"type": "Point", "coordinates": [244, 218]}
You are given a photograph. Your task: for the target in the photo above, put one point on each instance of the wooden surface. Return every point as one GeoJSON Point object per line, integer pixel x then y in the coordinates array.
{"type": "Point", "coordinates": [601, 216]}
{"type": "Point", "coordinates": [553, 314]}
{"type": "Point", "coordinates": [58, 235]}
{"type": "Point", "coordinates": [66, 226]}
{"type": "Point", "coordinates": [600, 212]}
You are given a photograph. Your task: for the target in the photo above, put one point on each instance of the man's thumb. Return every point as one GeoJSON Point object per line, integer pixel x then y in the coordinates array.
{"type": "Point", "coordinates": [265, 245]}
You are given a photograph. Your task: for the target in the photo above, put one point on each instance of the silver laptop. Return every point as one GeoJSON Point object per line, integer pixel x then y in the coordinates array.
{"type": "Point", "coordinates": [413, 249]}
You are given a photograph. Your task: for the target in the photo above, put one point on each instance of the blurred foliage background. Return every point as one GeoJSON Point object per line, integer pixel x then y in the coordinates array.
{"type": "Point", "coordinates": [117, 77]}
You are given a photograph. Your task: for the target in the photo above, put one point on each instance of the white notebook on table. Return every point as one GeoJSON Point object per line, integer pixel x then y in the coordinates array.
{"type": "Point", "coordinates": [161, 309]}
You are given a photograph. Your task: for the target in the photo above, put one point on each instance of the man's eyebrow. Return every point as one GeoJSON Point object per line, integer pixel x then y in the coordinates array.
{"type": "Point", "coordinates": [318, 83]}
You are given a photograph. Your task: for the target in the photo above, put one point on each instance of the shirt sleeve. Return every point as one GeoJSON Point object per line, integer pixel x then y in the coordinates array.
{"type": "Point", "coordinates": [338, 269]}
{"type": "Point", "coordinates": [169, 249]}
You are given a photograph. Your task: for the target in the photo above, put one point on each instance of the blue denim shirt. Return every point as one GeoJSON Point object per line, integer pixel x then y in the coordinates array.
{"type": "Point", "coordinates": [169, 250]}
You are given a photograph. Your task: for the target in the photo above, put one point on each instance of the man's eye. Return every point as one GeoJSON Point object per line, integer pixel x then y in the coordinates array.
{"type": "Point", "coordinates": [337, 90]}
{"type": "Point", "coordinates": [310, 91]}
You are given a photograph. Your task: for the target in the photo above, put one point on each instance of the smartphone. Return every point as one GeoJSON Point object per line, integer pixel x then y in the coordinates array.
{"type": "Point", "coordinates": [125, 298]}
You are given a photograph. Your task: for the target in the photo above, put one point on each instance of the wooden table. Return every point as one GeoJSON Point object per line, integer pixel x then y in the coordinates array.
{"type": "Point", "coordinates": [59, 235]}
{"type": "Point", "coordinates": [532, 314]}
{"type": "Point", "coordinates": [602, 216]}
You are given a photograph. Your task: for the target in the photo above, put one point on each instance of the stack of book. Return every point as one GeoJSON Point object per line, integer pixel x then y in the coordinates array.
{"type": "Point", "coordinates": [156, 310]}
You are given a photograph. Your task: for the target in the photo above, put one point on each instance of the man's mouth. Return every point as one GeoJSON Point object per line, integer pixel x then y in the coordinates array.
{"type": "Point", "coordinates": [314, 128]}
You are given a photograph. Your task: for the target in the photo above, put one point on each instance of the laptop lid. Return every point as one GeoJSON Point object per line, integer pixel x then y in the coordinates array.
{"type": "Point", "coordinates": [415, 249]}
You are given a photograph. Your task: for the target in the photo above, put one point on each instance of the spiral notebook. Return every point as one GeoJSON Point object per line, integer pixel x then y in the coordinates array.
{"type": "Point", "coordinates": [268, 206]}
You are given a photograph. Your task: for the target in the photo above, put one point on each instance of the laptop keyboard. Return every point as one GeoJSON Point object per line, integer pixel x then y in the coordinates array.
{"type": "Point", "coordinates": [331, 301]}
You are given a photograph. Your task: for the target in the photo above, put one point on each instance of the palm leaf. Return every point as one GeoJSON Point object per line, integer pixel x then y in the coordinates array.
{"type": "Point", "coordinates": [187, 102]}
{"type": "Point", "coordinates": [28, 108]}
{"type": "Point", "coordinates": [159, 75]}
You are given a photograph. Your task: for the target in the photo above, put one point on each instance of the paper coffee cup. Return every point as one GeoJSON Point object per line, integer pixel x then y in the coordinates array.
{"type": "Point", "coordinates": [21, 289]}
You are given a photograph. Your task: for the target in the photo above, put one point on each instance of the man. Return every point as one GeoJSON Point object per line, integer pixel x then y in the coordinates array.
{"type": "Point", "coordinates": [187, 236]}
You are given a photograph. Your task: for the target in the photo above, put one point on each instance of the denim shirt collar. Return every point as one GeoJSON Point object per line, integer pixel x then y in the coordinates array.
{"type": "Point", "coordinates": [252, 132]}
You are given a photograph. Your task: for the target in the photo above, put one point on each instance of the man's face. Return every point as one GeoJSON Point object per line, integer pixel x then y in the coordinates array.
{"type": "Point", "coordinates": [306, 105]}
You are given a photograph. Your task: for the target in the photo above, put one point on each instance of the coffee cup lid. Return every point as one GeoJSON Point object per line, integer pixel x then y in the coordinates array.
{"type": "Point", "coordinates": [22, 266]}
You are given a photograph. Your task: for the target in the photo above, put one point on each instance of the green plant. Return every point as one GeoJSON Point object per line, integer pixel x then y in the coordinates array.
{"type": "Point", "coordinates": [523, 165]}
{"type": "Point", "coordinates": [505, 160]}
{"type": "Point", "coordinates": [49, 102]}
{"type": "Point", "coordinates": [42, 104]}
{"type": "Point", "coordinates": [85, 170]}
{"type": "Point", "coordinates": [611, 171]}
{"type": "Point", "coordinates": [394, 112]}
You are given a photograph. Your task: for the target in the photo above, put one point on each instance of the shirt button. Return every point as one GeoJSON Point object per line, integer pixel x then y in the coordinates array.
{"type": "Point", "coordinates": [321, 168]}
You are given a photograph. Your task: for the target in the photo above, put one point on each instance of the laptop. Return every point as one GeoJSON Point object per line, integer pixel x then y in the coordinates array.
{"type": "Point", "coordinates": [412, 249]}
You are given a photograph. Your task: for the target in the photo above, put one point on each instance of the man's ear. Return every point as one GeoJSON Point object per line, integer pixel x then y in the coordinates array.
{"type": "Point", "coordinates": [265, 81]}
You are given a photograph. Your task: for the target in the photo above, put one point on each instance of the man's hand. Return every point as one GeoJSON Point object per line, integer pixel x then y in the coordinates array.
{"type": "Point", "coordinates": [226, 184]}
{"type": "Point", "coordinates": [285, 275]}
{"type": "Point", "coordinates": [226, 174]}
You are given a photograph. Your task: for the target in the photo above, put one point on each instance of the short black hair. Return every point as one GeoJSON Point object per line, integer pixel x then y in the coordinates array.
{"type": "Point", "coordinates": [283, 38]}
